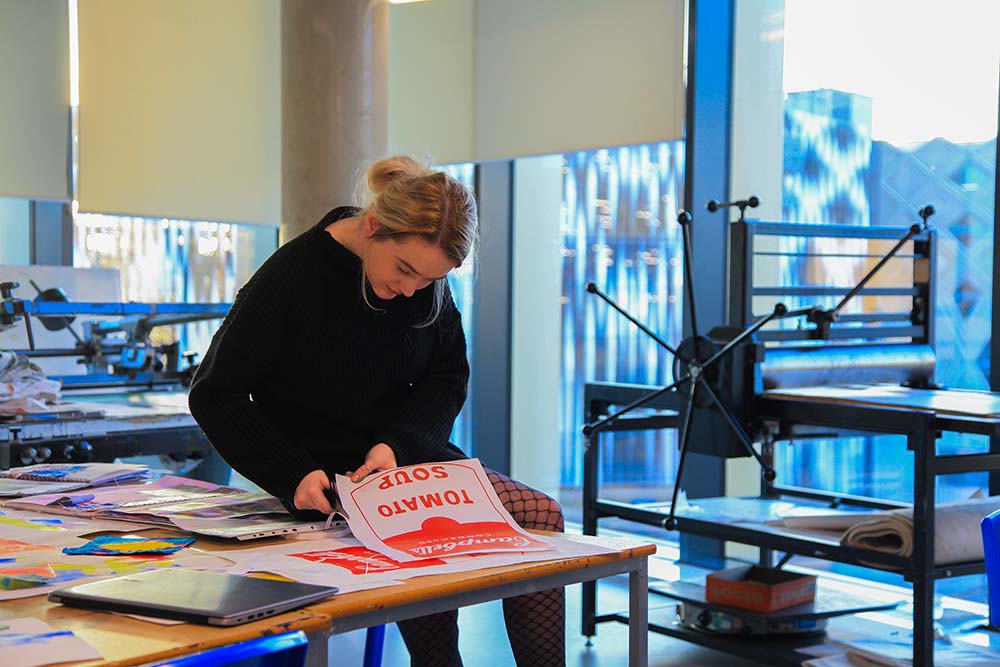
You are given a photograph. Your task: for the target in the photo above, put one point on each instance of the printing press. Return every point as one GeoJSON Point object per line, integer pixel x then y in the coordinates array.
{"type": "Point", "coordinates": [815, 361]}
{"type": "Point", "coordinates": [123, 391]}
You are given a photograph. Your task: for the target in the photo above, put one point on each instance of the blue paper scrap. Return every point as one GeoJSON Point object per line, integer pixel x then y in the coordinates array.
{"type": "Point", "coordinates": [124, 545]}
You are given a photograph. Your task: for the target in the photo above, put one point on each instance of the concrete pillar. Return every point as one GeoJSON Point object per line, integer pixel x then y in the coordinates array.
{"type": "Point", "coordinates": [334, 90]}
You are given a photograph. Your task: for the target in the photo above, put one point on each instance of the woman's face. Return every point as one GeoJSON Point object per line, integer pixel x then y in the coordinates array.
{"type": "Point", "coordinates": [403, 265]}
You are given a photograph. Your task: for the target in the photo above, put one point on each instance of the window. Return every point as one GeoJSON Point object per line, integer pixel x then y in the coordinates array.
{"type": "Point", "coordinates": [619, 230]}
{"type": "Point", "coordinates": [173, 261]}
{"type": "Point", "coordinates": [872, 131]}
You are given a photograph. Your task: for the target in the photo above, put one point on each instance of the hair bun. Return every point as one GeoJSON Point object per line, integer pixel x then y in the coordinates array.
{"type": "Point", "coordinates": [385, 172]}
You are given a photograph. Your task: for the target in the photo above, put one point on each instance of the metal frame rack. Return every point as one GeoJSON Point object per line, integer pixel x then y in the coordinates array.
{"type": "Point", "coordinates": [891, 347]}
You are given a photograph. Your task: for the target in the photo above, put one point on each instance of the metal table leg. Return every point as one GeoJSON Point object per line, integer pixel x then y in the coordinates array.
{"type": "Point", "coordinates": [638, 615]}
{"type": "Point", "coordinates": [317, 655]}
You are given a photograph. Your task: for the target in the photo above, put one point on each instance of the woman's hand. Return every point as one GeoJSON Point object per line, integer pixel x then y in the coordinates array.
{"type": "Point", "coordinates": [309, 494]}
{"type": "Point", "coordinates": [379, 457]}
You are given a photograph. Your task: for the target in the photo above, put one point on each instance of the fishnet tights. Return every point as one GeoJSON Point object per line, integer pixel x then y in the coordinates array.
{"type": "Point", "coordinates": [535, 623]}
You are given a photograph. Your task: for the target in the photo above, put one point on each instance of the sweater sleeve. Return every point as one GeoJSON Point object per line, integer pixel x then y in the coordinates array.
{"type": "Point", "coordinates": [239, 361]}
{"type": "Point", "coordinates": [420, 428]}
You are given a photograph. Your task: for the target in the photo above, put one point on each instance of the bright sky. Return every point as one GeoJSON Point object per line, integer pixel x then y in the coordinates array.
{"type": "Point", "coordinates": [932, 67]}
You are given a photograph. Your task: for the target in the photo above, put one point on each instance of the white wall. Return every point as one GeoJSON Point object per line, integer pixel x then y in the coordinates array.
{"type": "Point", "coordinates": [536, 343]}
{"type": "Point", "coordinates": [564, 75]}
{"type": "Point", "coordinates": [34, 99]}
{"type": "Point", "coordinates": [180, 109]}
{"type": "Point", "coordinates": [432, 64]}
{"type": "Point", "coordinates": [473, 80]}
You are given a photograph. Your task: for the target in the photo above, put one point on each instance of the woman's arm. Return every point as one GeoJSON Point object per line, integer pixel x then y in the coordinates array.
{"type": "Point", "coordinates": [420, 427]}
{"type": "Point", "coordinates": [239, 362]}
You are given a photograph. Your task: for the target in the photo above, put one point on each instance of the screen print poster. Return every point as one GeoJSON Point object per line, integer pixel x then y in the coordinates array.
{"type": "Point", "coordinates": [432, 510]}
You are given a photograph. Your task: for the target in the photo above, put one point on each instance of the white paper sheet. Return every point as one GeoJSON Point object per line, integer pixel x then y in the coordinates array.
{"type": "Point", "coordinates": [349, 565]}
{"type": "Point", "coordinates": [434, 510]}
{"type": "Point", "coordinates": [29, 642]}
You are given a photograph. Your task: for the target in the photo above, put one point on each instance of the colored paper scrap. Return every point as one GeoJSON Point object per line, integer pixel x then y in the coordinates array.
{"type": "Point", "coordinates": [17, 547]}
{"type": "Point", "coordinates": [30, 642]}
{"type": "Point", "coordinates": [14, 578]}
{"type": "Point", "coordinates": [118, 545]}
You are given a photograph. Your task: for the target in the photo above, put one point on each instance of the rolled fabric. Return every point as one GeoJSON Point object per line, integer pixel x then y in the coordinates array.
{"type": "Point", "coordinates": [957, 537]}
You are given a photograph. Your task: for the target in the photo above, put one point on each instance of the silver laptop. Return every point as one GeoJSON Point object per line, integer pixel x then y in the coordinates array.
{"type": "Point", "coordinates": [192, 596]}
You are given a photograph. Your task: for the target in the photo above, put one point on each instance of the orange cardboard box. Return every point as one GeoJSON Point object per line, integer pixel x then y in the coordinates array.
{"type": "Point", "coordinates": [759, 588]}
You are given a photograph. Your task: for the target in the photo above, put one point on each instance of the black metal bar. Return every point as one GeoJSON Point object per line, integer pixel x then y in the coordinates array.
{"type": "Point", "coordinates": [684, 219]}
{"type": "Point", "coordinates": [643, 423]}
{"type": "Point", "coordinates": [953, 570]}
{"type": "Point", "coordinates": [591, 456]}
{"type": "Point", "coordinates": [914, 229]}
{"type": "Point", "coordinates": [956, 463]}
{"type": "Point", "coordinates": [873, 419]}
{"type": "Point", "coordinates": [921, 440]}
{"type": "Point", "coordinates": [740, 259]}
{"type": "Point", "coordinates": [852, 317]}
{"type": "Point", "coordinates": [834, 291]}
{"type": "Point", "coordinates": [27, 328]}
{"type": "Point", "coordinates": [595, 426]}
{"type": "Point", "coordinates": [822, 230]}
{"type": "Point", "coordinates": [634, 513]}
{"type": "Point", "coordinates": [619, 393]}
{"type": "Point", "coordinates": [825, 255]}
{"type": "Point", "coordinates": [737, 428]}
{"type": "Point", "coordinates": [671, 521]}
{"type": "Point", "coordinates": [875, 317]}
{"type": "Point", "coordinates": [779, 311]}
{"type": "Point", "coordinates": [845, 333]}
{"type": "Point", "coordinates": [593, 289]}
{"type": "Point", "coordinates": [836, 499]}
{"type": "Point", "coordinates": [793, 313]}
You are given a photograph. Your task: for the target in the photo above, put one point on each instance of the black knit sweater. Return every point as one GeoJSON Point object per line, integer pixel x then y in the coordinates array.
{"type": "Point", "coordinates": [304, 375]}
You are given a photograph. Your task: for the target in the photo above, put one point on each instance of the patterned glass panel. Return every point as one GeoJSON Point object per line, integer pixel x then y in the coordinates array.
{"type": "Point", "coordinates": [161, 260]}
{"type": "Point", "coordinates": [619, 230]}
{"type": "Point", "coordinates": [461, 282]}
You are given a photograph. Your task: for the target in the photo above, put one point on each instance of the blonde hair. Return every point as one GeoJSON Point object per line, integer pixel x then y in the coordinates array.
{"type": "Point", "coordinates": [407, 198]}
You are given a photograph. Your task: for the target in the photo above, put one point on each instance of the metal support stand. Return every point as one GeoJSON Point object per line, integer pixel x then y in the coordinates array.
{"type": "Point", "coordinates": [697, 367]}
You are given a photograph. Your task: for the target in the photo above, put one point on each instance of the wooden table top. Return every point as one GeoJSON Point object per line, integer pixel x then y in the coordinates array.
{"type": "Point", "coordinates": [126, 641]}
{"type": "Point", "coordinates": [418, 589]}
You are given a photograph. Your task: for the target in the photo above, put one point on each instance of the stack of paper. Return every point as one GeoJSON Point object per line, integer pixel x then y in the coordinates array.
{"type": "Point", "coordinates": [188, 504]}
{"type": "Point", "coordinates": [59, 477]}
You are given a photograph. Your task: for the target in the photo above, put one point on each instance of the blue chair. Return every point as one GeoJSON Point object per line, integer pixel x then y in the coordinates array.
{"type": "Point", "coordinates": [284, 650]}
{"type": "Point", "coordinates": [374, 643]}
{"type": "Point", "coordinates": [991, 553]}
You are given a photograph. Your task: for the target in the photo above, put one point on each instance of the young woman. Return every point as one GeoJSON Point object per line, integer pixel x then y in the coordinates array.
{"type": "Point", "coordinates": [345, 353]}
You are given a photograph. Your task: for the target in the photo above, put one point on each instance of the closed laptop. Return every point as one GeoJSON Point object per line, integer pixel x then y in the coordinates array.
{"type": "Point", "coordinates": [192, 596]}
